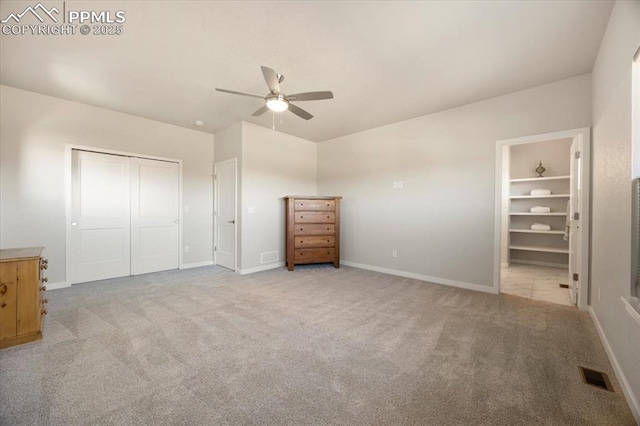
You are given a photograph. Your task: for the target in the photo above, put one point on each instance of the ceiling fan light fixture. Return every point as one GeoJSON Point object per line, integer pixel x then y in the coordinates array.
{"type": "Point", "coordinates": [277, 103]}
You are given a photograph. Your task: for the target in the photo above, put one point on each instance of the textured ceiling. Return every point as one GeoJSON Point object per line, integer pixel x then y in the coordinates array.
{"type": "Point", "coordinates": [384, 61]}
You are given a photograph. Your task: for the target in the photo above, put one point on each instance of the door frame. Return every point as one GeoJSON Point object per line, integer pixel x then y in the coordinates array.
{"type": "Point", "coordinates": [233, 160]}
{"type": "Point", "coordinates": [584, 134]}
{"type": "Point", "coordinates": [68, 161]}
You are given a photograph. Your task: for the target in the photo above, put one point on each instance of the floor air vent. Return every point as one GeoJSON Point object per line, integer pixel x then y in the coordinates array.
{"type": "Point", "coordinates": [595, 378]}
{"type": "Point", "coordinates": [563, 285]}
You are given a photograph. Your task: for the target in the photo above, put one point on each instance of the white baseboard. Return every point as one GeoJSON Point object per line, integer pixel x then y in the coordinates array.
{"type": "Point", "coordinates": [536, 263]}
{"type": "Point", "coordinates": [261, 268]}
{"type": "Point", "coordinates": [443, 281]}
{"type": "Point", "coordinates": [196, 264]}
{"type": "Point", "coordinates": [622, 379]}
{"type": "Point", "coordinates": [57, 285]}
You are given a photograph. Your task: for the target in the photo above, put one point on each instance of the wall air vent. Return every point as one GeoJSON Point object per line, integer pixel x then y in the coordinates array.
{"type": "Point", "coordinates": [268, 257]}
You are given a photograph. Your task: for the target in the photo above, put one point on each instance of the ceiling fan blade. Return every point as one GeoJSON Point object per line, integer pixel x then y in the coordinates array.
{"type": "Point", "coordinates": [235, 92]}
{"type": "Point", "coordinates": [300, 112]}
{"type": "Point", "coordinates": [260, 111]}
{"type": "Point", "coordinates": [271, 78]}
{"type": "Point", "coordinates": [310, 96]}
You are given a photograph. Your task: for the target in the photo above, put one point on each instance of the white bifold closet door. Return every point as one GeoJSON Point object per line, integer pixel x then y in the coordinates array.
{"type": "Point", "coordinates": [100, 217]}
{"type": "Point", "coordinates": [124, 216]}
{"type": "Point", "coordinates": [154, 216]}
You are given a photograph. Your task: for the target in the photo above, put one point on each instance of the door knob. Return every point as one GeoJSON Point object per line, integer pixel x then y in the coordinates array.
{"type": "Point", "coordinates": [176, 221]}
{"type": "Point", "coordinates": [232, 221]}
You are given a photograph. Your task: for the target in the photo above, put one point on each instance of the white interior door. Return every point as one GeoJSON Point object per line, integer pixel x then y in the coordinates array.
{"type": "Point", "coordinates": [100, 220]}
{"type": "Point", "coordinates": [575, 220]}
{"type": "Point", "coordinates": [225, 217]}
{"type": "Point", "coordinates": [154, 216]}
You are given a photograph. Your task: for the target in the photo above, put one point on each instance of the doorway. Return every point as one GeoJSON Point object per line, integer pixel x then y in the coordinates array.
{"type": "Point", "coordinates": [542, 216]}
{"type": "Point", "coordinates": [225, 217]}
{"type": "Point", "coordinates": [123, 216]}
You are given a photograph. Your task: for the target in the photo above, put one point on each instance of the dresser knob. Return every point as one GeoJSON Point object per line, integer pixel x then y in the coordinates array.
{"type": "Point", "coordinates": [45, 280]}
{"type": "Point", "coordinates": [43, 288]}
{"type": "Point", "coordinates": [3, 289]}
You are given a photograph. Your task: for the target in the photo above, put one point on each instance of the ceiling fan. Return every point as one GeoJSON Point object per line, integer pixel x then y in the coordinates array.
{"type": "Point", "coordinates": [277, 101]}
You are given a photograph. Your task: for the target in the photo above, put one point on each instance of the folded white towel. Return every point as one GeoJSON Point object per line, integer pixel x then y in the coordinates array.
{"type": "Point", "coordinates": [540, 227]}
{"type": "Point", "coordinates": [540, 191]}
{"type": "Point", "coordinates": [540, 209]}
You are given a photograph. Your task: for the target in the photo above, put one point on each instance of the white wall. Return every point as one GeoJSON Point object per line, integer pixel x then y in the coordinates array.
{"type": "Point", "coordinates": [611, 193]}
{"type": "Point", "coordinates": [442, 222]}
{"type": "Point", "coordinates": [273, 165]}
{"type": "Point", "coordinates": [34, 130]}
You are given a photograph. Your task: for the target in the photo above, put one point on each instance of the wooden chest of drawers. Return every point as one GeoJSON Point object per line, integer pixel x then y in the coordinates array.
{"type": "Point", "coordinates": [313, 230]}
{"type": "Point", "coordinates": [21, 303]}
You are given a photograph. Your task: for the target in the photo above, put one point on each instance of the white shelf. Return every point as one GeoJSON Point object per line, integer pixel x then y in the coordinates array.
{"type": "Point", "coordinates": [537, 214]}
{"type": "Point", "coordinates": [515, 197]}
{"type": "Point", "coordinates": [534, 179]}
{"type": "Point", "coordinates": [531, 231]}
{"type": "Point", "coordinates": [542, 249]}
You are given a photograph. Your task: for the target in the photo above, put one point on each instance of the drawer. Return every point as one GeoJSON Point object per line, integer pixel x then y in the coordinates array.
{"type": "Point", "coordinates": [315, 241]}
{"type": "Point", "coordinates": [307, 229]}
{"type": "Point", "coordinates": [315, 205]}
{"type": "Point", "coordinates": [315, 217]}
{"type": "Point", "coordinates": [312, 255]}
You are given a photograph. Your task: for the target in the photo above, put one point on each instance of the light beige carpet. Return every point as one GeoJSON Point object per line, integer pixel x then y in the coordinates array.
{"type": "Point", "coordinates": [311, 347]}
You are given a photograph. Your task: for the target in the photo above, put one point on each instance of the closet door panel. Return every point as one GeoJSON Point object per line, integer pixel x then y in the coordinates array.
{"type": "Point", "coordinates": [100, 217]}
{"type": "Point", "coordinates": [154, 216]}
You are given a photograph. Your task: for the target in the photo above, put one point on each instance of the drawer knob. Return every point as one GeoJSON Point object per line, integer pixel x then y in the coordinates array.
{"type": "Point", "coordinates": [301, 229]}
{"type": "Point", "coordinates": [45, 280]}
{"type": "Point", "coordinates": [43, 288]}
{"type": "Point", "coordinates": [45, 300]}
{"type": "Point", "coordinates": [3, 289]}
{"type": "Point", "coordinates": [44, 311]}
{"type": "Point", "coordinates": [301, 241]}
{"type": "Point", "coordinates": [3, 305]}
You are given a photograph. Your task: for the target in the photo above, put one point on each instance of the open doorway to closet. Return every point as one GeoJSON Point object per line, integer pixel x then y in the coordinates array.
{"type": "Point", "coordinates": [542, 205]}
{"type": "Point", "coordinates": [123, 216]}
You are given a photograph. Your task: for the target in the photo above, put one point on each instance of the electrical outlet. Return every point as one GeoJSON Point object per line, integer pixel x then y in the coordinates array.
{"type": "Point", "coordinates": [186, 249]}
{"type": "Point", "coordinates": [395, 184]}
{"type": "Point", "coordinates": [400, 184]}
{"type": "Point", "coordinates": [394, 253]}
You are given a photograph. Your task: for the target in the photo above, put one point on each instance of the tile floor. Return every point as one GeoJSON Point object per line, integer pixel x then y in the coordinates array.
{"type": "Point", "coordinates": [536, 282]}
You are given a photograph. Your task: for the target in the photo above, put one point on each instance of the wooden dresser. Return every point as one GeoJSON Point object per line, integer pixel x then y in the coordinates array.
{"type": "Point", "coordinates": [22, 308]}
{"type": "Point", "coordinates": [312, 230]}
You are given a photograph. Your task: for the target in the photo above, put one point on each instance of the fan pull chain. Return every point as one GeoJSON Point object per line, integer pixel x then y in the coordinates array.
{"type": "Point", "coordinates": [273, 120]}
